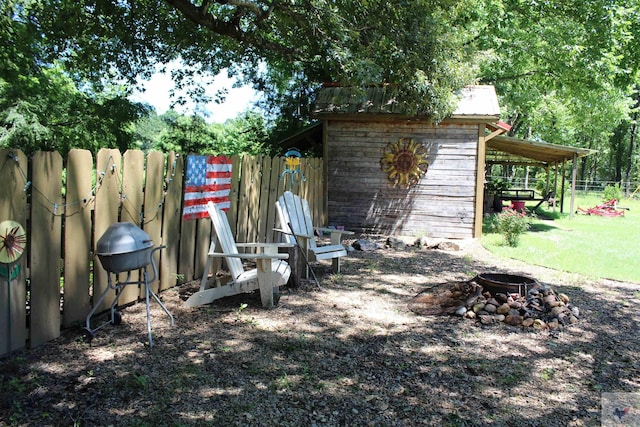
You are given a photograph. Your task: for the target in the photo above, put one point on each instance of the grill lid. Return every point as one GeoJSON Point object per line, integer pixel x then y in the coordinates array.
{"type": "Point", "coordinates": [123, 237]}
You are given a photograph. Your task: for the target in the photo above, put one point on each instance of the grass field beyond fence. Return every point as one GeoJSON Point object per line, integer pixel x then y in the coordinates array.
{"type": "Point", "coordinates": [605, 247]}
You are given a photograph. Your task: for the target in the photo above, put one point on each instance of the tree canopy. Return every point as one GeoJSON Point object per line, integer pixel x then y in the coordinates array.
{"type": "Point", "coordinates": [417, 44]}
{"type": "Point", "coordinates": [566, 72]}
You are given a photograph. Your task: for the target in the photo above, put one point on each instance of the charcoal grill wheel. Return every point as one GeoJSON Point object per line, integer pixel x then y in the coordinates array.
{"type": "Point", "coordinates": [87, 335]}
{"type": "Point", "coordinates": [117, 318]}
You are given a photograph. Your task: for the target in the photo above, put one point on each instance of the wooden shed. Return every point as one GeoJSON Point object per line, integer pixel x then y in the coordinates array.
{"type": "Point", "coordinates": [391, 173]}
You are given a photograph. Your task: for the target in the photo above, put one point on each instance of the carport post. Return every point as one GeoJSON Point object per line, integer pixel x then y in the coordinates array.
{"type": "Point", "coordinates": [574, 175]}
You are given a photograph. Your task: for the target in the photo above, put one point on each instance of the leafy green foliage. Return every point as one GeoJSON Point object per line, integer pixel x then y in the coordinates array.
{"type": "Point", "coordinates": [567, 73]}
{"type": "Point", "coordinates": [43, 107]}
{"type": "Point", "coordinates": [420, 45]}
{"type": "Point", "coordinates": [612, 192]}
{"type": "Point", "coordinates": [511, 224]}
{"type": "Point", "coordinates": [192, 134]}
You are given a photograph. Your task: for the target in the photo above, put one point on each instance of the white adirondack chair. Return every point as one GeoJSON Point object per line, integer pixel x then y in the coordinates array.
{"type": "Point", "coordinates": [271, 272]}
{"type": "Point", "coordinates": [296, 227]}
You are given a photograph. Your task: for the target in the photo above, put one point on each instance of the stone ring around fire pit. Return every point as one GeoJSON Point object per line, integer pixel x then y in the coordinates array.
{"type": "Point", "coordinates": [494, 298]}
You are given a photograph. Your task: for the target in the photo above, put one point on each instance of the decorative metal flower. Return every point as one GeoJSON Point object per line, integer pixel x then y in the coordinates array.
{"type": "Point", "coordinates": [13, 241]}
{"type": "Point", "coordinates": [405, 162]}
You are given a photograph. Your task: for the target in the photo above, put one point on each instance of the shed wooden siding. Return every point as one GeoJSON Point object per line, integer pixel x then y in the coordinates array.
{"type": "Point", "coordinates": [361, 197]}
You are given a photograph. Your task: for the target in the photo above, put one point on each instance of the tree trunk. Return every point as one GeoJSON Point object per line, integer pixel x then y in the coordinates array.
{"type": "Point", "coordinates": [583, 164]}
{"type": "Point", "coordinates": [632, 137]}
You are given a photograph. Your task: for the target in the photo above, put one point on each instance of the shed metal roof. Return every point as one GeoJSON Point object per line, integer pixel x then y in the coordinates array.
{"type": "Point", "coordinates": [476, 103]}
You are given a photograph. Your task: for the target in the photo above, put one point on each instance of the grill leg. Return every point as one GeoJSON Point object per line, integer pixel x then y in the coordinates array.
{"type": "Point", "coordinates": [97, 304]}
{"type": "Point", "coordinates": [147, 290]}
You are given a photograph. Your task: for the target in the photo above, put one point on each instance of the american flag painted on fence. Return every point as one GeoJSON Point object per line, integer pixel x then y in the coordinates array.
{"type": "Point", "coordinates": [208, 179]}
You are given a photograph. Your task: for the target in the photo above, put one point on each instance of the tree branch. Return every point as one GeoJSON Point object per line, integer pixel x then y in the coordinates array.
{"type": "Point", "coordinates": [511, 77]}
{"type": "Point", "coordinates": [201, 15]}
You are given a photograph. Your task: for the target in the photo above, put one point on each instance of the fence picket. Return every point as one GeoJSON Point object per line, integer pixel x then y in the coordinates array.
{"type": "Point", "coordinates": [13, 293]}
{"type": "Point", "coordinates": [132, 201]}
{"type": "Point", "coordinates": [274, 193]}
{"type": "Point", "coordinates": [108, 170]}
{"type": "Point", "coordinates": [153, 192]}
{"type": "Point", "coordinates": [171, 219]}
{"type": "Point", "coordinates": [46, 237]}
{"type": "Point", "coordinates": [234, 195]}
{"type": "Point", "coordinates": [77, 237]}
{"type": "Point", "coordinates": [201, 242]}
{"type": "Point", "coordinates": [264, 202]}
{"type": "Point", "coordinates": [244, 195]}
{"type": "Point", "coordinates": [254, 201]}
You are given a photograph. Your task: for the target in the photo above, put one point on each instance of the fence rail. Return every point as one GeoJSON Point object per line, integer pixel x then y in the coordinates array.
{"type": "Point", "coordinates": [65, 206]}
{"type": "Point", "coordinates": [589, 186]}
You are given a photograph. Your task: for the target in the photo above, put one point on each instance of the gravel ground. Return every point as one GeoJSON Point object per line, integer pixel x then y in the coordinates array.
{"type": "Point", "coordinates": [347, 353]}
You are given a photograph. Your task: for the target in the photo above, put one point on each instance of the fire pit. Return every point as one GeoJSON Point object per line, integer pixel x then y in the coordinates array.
{"type": "Point", "coordinates": [506, 283]}
{"type": "Point", "coordinates": [494, 298]}
{"type": "Point", "coordinates": [125, 248]}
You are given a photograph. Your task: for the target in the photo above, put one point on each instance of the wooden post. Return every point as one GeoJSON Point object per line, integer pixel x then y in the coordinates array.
{"type": "Point", "coordinates": [574, 174]}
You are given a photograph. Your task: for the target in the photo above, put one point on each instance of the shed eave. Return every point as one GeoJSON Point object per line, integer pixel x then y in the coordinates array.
{"type": "Point", "coordinates": [402, 117]}
{"type": "Point", "coordinates": [473, 118]}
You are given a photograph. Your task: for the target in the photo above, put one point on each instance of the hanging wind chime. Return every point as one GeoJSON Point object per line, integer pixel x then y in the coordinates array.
{"type": "Point", "coordinates": [292, 166]}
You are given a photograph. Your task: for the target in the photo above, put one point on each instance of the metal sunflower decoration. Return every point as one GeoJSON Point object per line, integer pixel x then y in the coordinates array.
{"type": "Point", "coordinates": [13, 241]}
{"type": "Point", "coordinates": [404, 161]}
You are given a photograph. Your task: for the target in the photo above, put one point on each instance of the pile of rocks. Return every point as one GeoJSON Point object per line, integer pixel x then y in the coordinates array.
{"type": "Point", "coordinates": [541, 308]}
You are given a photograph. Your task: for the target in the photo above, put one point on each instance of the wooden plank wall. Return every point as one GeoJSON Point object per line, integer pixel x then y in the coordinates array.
{"type": "Point", "coordinates": [361, 198]}
{"type": "Point", "coordinates": [61, 265]}
{"type": "Point", "coordinates": [262, 181]}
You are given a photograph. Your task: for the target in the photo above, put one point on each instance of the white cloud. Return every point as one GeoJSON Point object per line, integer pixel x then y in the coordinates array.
{"type": "Point", "coordinates": [237, 100]}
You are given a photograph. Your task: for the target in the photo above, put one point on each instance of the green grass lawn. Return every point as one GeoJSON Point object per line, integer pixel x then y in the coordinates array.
{"type": "Point", "coordinates": [595, 246]}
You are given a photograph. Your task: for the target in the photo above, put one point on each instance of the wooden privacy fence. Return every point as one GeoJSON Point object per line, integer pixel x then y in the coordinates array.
{"type": "Point", "coordinates": [66, 206]}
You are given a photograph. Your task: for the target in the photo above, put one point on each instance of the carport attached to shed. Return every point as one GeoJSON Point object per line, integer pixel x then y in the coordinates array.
{"type": "Point", "coordinates": [506, 150]}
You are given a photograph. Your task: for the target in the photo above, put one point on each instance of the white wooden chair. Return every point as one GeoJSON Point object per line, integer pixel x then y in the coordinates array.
{"type": "Point", "coordinates": [296, 227]}
{"type": "Point", "coordinates": [272, 271]}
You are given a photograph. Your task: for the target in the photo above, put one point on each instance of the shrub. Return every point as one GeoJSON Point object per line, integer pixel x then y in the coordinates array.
{"type": "Point", "coordinates": [511, 224]}
{"type": "Point", "coordinates": [612, 192]}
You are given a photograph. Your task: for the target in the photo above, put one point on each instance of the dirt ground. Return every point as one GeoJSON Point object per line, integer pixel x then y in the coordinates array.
{"type": "Point", "coordinates": [347, 353]}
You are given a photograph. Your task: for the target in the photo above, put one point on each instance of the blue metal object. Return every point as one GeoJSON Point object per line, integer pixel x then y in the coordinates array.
{"type": "Point", "coordinates": [292, 166]}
